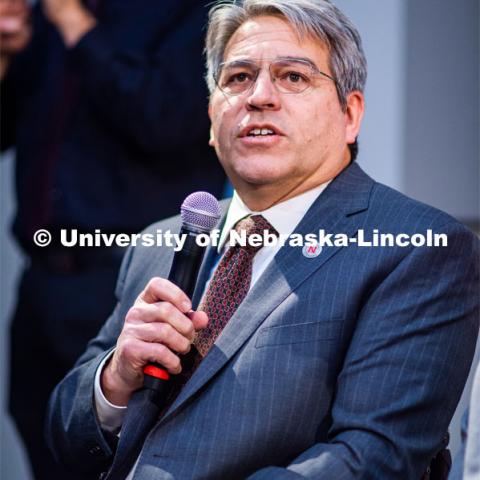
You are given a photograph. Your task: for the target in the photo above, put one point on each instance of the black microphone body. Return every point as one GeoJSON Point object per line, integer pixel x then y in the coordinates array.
{"type": "Point", "coordinates": [200, 212]}
{"type": "Point", "coordinates": [183, 273]}
{"type": "Point", "coordinates": [187, 262]}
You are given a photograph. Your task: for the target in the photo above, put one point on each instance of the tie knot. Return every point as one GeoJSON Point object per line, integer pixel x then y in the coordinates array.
{"type": "Point", "coordinates": [255, 224]}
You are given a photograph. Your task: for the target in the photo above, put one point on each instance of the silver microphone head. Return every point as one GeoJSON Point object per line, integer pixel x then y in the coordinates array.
{"type": "Point", "coordinates": [201, 211]}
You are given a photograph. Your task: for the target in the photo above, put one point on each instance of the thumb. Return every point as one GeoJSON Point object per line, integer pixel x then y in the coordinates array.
{"type": "Point", "coordinates": [199, 319]}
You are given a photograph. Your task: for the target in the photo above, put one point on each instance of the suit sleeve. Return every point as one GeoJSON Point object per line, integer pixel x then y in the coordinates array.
{"type": "Point", "coordinates": [153, 93]}
{"type": "Point", "coordinates": [72, 428]}
{"type": "Point", "coordinates": [404, 371]}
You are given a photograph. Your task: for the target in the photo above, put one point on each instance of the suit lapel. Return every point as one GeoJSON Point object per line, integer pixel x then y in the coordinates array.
{"type": "Point", "coordinates": [333, 212]}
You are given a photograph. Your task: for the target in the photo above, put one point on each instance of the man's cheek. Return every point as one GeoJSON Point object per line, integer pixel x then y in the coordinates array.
{"type": "Point", "coordinates": [224, 136]}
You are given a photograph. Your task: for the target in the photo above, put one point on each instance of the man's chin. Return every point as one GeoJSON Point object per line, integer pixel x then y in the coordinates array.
{"type": "Point", "coordinates": [259, 168]}
{"type": "Point", "coordinates": [258, 178]}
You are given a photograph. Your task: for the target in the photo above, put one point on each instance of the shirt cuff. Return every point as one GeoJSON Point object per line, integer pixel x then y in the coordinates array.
{"type": "Point", "coordinates": [109, 415]}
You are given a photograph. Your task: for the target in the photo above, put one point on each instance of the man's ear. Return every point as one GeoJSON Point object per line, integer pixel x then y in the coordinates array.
{"type": "Point", "coordinates": [353, 115]}
{"type": "Point", "coordinates": [211, 141]}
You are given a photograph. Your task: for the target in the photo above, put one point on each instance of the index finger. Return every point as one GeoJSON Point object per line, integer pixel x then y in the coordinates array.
{"type": "Point", "coordinates": [161, 289]}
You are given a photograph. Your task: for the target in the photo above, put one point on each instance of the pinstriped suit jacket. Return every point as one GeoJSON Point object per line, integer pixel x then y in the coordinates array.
{"type": "Point", "coordinates": [344, 366]}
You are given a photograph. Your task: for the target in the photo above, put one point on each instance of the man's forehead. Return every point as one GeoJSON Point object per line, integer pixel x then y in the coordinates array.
{"type": "Point", "coordinates": [271, 37]}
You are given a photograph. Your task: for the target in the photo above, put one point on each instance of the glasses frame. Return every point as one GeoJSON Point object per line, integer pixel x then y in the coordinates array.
{"type": "Point", "coordinates": [251, 62]}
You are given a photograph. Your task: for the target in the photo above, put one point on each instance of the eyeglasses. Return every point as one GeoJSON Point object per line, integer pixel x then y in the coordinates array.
{"type": "Point", "coordinates": [289, 75]}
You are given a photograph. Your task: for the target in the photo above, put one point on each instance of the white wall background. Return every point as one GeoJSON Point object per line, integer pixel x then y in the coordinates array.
{"type": "Point", "coordinates": [420, 135]}
{"type": "Point", "coordinates": [382, 27]}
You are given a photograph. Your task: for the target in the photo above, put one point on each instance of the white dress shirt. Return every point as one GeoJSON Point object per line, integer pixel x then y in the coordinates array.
{"type": "Point", "coordinates": [284, 217]}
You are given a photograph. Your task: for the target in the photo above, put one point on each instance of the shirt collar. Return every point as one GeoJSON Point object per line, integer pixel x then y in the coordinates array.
{"type": "Point", "coordinates": [284, 216]}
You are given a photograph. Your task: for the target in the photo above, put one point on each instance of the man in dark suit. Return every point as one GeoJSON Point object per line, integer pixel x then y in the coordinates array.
{"type": "Point", "coordinates": [109, 122]}
{"type": "Point", "coordinates": [345, 361]}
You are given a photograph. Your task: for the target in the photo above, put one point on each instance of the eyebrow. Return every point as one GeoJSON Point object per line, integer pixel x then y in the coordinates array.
{"type": "Point", "coordinates": [249, 62]}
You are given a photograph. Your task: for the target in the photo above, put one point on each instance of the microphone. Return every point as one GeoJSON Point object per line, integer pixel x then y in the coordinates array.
{"type": "Point", "coordinates": [200, 213]}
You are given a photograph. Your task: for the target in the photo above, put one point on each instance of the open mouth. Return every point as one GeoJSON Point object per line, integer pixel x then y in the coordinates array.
{"type": "Point", "coordinates": [260, 132]}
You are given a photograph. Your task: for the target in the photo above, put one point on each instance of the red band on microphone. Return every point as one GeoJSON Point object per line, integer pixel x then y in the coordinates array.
{"type": "Point", "coordinates": [156, 372]}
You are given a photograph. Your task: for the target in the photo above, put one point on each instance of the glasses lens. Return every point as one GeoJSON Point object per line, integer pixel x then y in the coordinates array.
{"type": "Point", "coordinates": [237, 78]}
{"type": "Point", "coordinates": [292, 76]}
{"type": "Point", "coordinates": [289, 76]}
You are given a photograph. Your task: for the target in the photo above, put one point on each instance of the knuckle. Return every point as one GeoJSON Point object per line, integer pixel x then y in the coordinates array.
{"type": "Point", "coordinates": [152, 282]}
{"type": "Point", "coordinates": [153, 285]}
{"type": "Point", "coordinates": [178, 296]}
{"type": "Point", "coordinates": [166, 309]}
{"type": "Point", "coordinates": [128, 331]}
{"type": "Point", "coordinates": [162, 352]}
{"type": "Point", "coordinates": [128, 347]}
{"type": "Point", "coordinates": [167, 358]}
{"type": "Point", "coordinates": [158, 283]}
{"type": "Point", "coordinates": [190, 330]}
{"type": "Point", "coordinates": [135, 313]}
{"type": "Point", "coordinates": [165, 331]}
{"type": "Point", "coordinates": [176, 364]}
{"type": "Point", "coordinates": [186, 346]}
{"type": "Point", "coordinates": [179, 365]}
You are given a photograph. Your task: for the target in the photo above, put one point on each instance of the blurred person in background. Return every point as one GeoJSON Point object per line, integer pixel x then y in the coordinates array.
{"type": "Point", "coordinates": [105, 105]}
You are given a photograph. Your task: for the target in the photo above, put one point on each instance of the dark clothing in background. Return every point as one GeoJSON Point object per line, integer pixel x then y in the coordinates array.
{"type": "Point", "coordinates": [56, 314]}
{"type": "Point", "coordinates": [111, 135]}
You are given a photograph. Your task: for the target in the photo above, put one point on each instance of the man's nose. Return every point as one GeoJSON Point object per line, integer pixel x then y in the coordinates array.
{"type": "Point", "coordinates": [264, 94]}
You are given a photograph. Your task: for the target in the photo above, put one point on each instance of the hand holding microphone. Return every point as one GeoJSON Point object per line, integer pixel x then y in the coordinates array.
{"type": "Point", "coordinates": [158, 328]}
{"type": "Point", "coordinates": [161, 325]}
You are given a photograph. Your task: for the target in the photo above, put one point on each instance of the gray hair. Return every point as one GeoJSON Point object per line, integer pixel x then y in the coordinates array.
{"type": "Point", "coordinates": [317, 18]}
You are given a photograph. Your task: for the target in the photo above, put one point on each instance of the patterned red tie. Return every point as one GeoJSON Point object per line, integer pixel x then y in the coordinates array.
{"type": "Point", "coordinates": [230, 282]}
